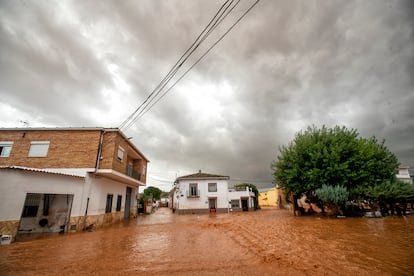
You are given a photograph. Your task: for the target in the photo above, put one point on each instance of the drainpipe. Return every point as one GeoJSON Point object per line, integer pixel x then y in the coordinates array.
{"type": "Point", "coordinates": [98, 156]}
{"type": "Point", "coordinates": [98, 159]}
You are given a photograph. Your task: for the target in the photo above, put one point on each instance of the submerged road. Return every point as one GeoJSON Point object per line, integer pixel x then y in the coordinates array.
{"type": "Point", "coordinates": [265, 242]}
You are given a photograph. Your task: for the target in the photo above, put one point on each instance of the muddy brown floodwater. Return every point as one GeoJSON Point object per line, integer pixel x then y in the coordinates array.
{"type": "Point", "coordinates": [265, 242]}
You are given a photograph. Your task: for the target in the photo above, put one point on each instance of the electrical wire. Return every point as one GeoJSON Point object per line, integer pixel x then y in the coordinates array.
{"type": "Point", "coordinates": [217, 19]}
{"type": "Point", "coordinates": [197, 61]}
{"type": "Point", "coordinates": [209, 28]}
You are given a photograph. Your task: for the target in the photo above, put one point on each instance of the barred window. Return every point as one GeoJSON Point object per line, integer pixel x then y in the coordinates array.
{"type": "Point", "coordinates": [31, 205]}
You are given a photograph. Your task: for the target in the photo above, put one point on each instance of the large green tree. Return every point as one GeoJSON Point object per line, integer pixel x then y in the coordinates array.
{"type": "Point", "coordinates": [154, 191]}
{"type": "Point", "coordinates": [333, 157]}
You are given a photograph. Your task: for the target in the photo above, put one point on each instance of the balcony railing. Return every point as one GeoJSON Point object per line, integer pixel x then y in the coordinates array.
{"type": "Point", "coordinates": [134, 174]}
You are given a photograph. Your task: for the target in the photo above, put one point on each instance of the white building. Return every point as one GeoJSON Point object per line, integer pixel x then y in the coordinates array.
{"type": "Point", "coordinates": [404, 174]}
{"type": "Point", "coordinates": [203, 192]}
{"type": "Point", "coordinates": [58, 180]}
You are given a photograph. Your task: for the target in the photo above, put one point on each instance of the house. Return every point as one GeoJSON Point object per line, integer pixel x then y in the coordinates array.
{"type": "Point", "coordinates": [268, 197]}
{"type": "Point", "coordinates": [273, 197]}
{"type": "Point", "coordinates": [404, 174]}
{"type": "Point", "coordinates": [204, 192]}
{"type": "Point", "coordinates": [67, 179]}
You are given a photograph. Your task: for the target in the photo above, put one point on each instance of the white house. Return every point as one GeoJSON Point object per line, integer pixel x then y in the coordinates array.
{"type": "Point", "coordinates": [204, 192]}
{"type": "Point", "coordinates": [404, 174]}
{"type": "Point", "coordinates": [67, 179]}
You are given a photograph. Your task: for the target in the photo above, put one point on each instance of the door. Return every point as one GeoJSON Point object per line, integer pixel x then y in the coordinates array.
{"type": "Point", "coordinates": [245, 205]}
{"type": "Point", "coordinates": [212, 204]}
{"type": "Point", "coordinates": [127, 211]}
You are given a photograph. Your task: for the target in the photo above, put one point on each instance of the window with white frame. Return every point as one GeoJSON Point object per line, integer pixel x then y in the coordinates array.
{"type": "Point", "coordinates": [39, 148]}
{"type": "Point", "coordinates": [212, 187]}
{"type": "Point", "coordinates": [5, 149]}
{"type": "Point", "coordinates": [120, 153]}
{"type": "Point", "coordinates": [193, 191]}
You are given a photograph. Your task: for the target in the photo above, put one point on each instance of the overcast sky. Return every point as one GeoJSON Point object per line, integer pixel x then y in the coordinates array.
{"type": "Point", "coordinates": [285, 66]}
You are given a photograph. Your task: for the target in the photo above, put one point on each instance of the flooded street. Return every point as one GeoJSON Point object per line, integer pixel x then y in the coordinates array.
{"type": "Point", "coordinates": [266, 242]}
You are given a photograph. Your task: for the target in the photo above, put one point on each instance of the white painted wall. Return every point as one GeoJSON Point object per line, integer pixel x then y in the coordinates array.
{"type": "Point", "coordinates": [404, 175]}
{"type": "Point", "coordinates": [233, 195]}
{"type": "Point", "coordinates": [186, 203]}
{"type": "Point", "coordinates": [15, 184]}
{"type": "Point", "coordinates": [100, 188]}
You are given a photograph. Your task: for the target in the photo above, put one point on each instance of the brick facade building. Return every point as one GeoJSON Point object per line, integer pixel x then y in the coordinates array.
{"type": "Point", "coordinates": [66, 179]}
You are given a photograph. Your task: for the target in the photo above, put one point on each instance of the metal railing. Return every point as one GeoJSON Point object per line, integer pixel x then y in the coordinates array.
{"type": "Point", "coordinates": [134, 174]}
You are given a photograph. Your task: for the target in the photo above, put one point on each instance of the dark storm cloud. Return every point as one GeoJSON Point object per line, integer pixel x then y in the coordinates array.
{"type": "Point", "coordinates": [287, 65]}
{"type": "Point", "coordinates": [45, 66]}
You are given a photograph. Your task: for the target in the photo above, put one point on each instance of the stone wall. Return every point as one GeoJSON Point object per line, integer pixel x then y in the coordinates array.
{"type": "Point", "coordinates": [98, 221]}
{"type": "Point", "coordinates": [9, 227]}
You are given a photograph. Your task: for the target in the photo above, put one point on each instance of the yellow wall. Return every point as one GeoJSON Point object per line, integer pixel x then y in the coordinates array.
{"type": "Point", "coordinates": [274, 198]}
{"type": "Point", "coordinates": [268, 198]}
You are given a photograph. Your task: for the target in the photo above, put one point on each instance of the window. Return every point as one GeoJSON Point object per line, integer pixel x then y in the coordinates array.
{"type": "Point", "coordinates": [108, 208]}
{"type": "Point", "coordinates": [31, 205]}
{"type": "Point", "coordinates": [5, 148]}
{"type": "Point", "coordinates": [118, 203]}
{"type": "Point", "coordinates": [120, 153]}
{"type": "Point", "coordinates": [193, 190]}
{"type": "Point", "coordinates": [39, 148]}
{"type": "Point", "coordinates": [235, 203]}
{"type": "Point", "coordinates": [212, 187]}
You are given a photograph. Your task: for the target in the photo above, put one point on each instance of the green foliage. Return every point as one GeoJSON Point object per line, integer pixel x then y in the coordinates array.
{"type": "Point", "coordinates": [242, 186]}
{"type": "Point", "coordinates": [332, 194]}
{"type": "Point", "coordinates": [333, 156]}
{"type": "Point", "coordinates": [392, 190]}
{"type": "Point", "coordinates": [154, 191]}
{"type": "Point", "coordinates": [164, 194]}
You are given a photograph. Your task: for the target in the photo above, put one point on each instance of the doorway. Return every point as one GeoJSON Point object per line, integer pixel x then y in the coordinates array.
{"type": "Point", "coordinates": [245, 204]}
{"type": "Point", "coordinates": [127, 211]}
{"type": "Point", "coordinates": [212, 204]}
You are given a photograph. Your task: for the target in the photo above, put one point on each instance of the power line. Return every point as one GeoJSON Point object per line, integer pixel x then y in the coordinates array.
{"type": "Point", "coordinates": [219, 16]}
{"type": "Point", "coordinates": [217, 19]}
{"type": "Point", "coordinates": [198, 60]}
{"type": "Point", "coordinates": [214, 22]}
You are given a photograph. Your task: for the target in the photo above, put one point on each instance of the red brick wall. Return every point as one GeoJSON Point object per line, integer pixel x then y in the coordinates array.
{"type": "Point", "coordinates": [112, 140]}
{"type": "Point", "coordinates": [71, 149]}
{"type": "Point", "coordinates": [67, 148]}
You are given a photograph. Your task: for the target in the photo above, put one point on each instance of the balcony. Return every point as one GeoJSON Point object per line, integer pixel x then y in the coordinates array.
{"type": "Point", "coordinates": [132, 173]}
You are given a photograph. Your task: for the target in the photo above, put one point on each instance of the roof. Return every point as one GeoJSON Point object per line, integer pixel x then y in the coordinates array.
{"type": "Point", "coordinates": [261, 190]}
{"type": "Point", "coordinates": [67, 172]}
{"type": "Point", "coordinates": [79, 129]}
{"type": "Point", "coordinates": [201, 176]}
